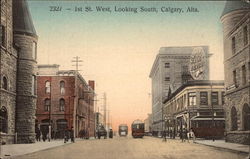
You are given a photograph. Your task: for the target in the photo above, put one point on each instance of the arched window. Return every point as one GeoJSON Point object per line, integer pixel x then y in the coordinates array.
{"type": "Point", "coordinates": [46, 105]}
{"type": "Point", "coordinates": [62, 87]}
{"type": "Point", "coordinates": [3, 120]}
{"type": "Point", "coordinates": [246, 117]}
{"type": "Point", "coordinates": [5, 83]}
{"type": "Point", "coordinates": [62, 105]}
{"type": "Point", "coordinates": [47, 87]}
{"type": "Point", "coordinates": [234, 119]}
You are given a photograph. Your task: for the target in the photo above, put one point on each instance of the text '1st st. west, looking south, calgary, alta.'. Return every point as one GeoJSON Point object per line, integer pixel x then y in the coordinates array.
{"type": "Point", "coordinates": [125, 9]}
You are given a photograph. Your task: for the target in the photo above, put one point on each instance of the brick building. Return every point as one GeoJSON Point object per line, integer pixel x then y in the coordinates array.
{"type": "Point", "coordinates": [60, 105]}
{"type": "Point", "coordinates": [172, 68]}
{"type": "Point", "coordinates": [18, 42]}
{"type": "Point", "coordinates": [236, 30]}
{"type": "Point", "coordinates": [197, 104]}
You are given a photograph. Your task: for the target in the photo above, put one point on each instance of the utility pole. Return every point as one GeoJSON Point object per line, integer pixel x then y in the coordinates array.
{"type": "Point", "coordinates": [105, 110]}
{"type": "Point", "coordinates": [75, 60]}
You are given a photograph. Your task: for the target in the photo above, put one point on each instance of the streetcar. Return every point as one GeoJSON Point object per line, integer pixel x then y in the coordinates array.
{"type": "Point", "coordinates": [137, 128]}
{"type": "Point", "coordinates": [123, 130]}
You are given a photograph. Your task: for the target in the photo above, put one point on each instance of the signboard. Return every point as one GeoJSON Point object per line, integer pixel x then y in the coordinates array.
{"type": "Point", "coordinates": [197, 63]}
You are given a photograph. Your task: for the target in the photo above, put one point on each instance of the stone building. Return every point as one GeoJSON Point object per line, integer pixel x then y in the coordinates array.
{"type": "Point", "coordinates": [18, 41]}
{"type": "Point", "coordinates": [173, 67]}
{"type": "Point", "coordinates": [198, 105]}
{"type": "Point", "coordinates": [63, 103]}
{"type": "Point", "coordinates": [236, 32]}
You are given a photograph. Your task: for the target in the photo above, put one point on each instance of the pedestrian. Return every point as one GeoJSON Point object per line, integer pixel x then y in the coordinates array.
{"type": "Point", "coordinates": [170, 133]}
{"type": "Point", "coordinates": [72, 135]}
{"type": "Point", "coordinates": [66, 135]}
{"type": "Point", "coordinates": [184, 135]}
{"type": "Point", "coordinates": [164, 135]}
{"type": "Point", "coordinates": [38, 134]}
{"type": "Point", "coordinates": [181, 135]}
{"type": "Point", "coordinates": [192, 134]}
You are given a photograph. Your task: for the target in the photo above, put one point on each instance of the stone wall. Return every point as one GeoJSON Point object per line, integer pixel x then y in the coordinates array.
{"type": "Point", "coordinates": [26, 98]}
{"type": "Point", "coordinates": [8, 68]}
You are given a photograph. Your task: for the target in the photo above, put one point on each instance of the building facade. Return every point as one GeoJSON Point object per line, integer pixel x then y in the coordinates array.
{"type": "Point", "coordinates": [18, 41]}
{"type": "Point", "coordinates": [173, 67]}
{"type": "Point", "coordinates": [63, 103]}
{"type": "Point", "coordinates": [148, 124]}
{"type": "Point", "coordinates": [236, 30]}
{"type": "Point", "coordinates": [198, 105]}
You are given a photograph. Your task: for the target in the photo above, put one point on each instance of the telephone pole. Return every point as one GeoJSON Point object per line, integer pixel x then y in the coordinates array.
{"type": "Point", "coordinates": [105, 109]}
{"type": "Point", "coordinates": [75, 60]}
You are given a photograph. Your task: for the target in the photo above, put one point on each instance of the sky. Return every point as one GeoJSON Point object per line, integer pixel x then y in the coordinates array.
{"type": "Point", "coordinates": [118, 48]}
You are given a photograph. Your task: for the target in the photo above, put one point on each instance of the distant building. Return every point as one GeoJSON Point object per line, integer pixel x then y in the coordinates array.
{"type": "Point", "coordinates": [196, 104]}
{"type": "Point", "coordinates": [173, 67]}
{"type": "Point", "coordinates": [236, 29]}
{"type": "Point", "coordinates": [60, 105]}
{"type": "Point", "coordinates": [148, 124]}
{"type": "Point", "coordinates": [18, 41]}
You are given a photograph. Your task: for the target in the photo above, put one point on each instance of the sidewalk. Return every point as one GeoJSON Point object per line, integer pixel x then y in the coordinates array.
{"type": "Point", "coordinates": [221, 144]}
{"type": "Point", "coordinates": [7, 151]}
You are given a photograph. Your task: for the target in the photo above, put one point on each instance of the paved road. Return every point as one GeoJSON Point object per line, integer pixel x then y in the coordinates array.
{"type": "Point", "coordinates": [129, 148]}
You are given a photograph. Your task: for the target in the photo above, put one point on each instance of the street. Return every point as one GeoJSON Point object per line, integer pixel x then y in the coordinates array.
{"type": "Point", "coordinates": [129, 148]}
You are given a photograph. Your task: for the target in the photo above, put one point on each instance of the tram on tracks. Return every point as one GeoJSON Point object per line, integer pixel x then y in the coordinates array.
{"type": "Point", "coordinates": [123, 130]}
{"type": "Point", "coordinates": [137, 128]}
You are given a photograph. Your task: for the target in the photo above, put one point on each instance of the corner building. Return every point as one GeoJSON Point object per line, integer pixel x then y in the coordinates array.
{"type": "Point", "coordinates": [170, 70]}
{"type": "Point", "coordinates": [236, 30]}
{"type": "Point", "coordinates": [18, 41]}
{"type": "Point", "coordinates": [64, 103]}
{"type": "Point", "coordinates": [198, 105]}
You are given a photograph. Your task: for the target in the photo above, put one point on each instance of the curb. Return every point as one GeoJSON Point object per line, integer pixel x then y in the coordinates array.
{"type": "Point", "coordinates": [224, 149]}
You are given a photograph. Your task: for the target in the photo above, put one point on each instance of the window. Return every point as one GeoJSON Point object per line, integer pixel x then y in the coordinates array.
{"type": "Point", "coordinates": [34, 50]}
{"type": "Point", "coordinates": [246, 117]}
{"type": "Point", "coordinates": [191, 98]}
{"type": "Point", "coordinates": [62, 87]}
{"type": "Point", "coordinates": [47, 87]}
{"type": "Point", "coordinates": [3, 120]}
{"type": "Point", "coordinates": [233, 45]}
{"type": "Point", "coordinates": [5, 83]}
{"type": "Point", "coordinates": [2, 36]}
{"type": "Point", "coordinates": [233, 119]}
{"type": "Point", "coordinates": [47, 105]}
{"type": "Point", "coordinates": [204, 98]}
{"type": "Point", "coordinates": [33, 88]}
{"type": "Point", "coordinates": [245, 35]}
{"type": "Point", "coordinates": [223, 98]}
{"type": "Point", "coordinates": [235, 78]}
{"type": "Point", "coordinates": [214, 97]}
{"type": "Point", "coordinates": [243, 68]}
{"type": "Point", "coordinates": [62, 105]}
{"type": "Point", "coordinates": [167, 65]}
{"type": "Point", "coordinates": [167, 78]}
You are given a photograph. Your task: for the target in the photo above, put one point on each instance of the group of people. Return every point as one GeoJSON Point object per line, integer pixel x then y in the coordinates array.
{"type": "Point", "coordinates": [69, 134]}
{"type": "Point", "coordinates": [184, 135]}
{"type": "Point", "coordinates": [44, 134]}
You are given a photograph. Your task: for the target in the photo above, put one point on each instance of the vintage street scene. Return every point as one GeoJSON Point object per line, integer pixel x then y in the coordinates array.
{"type": "Point", "coordinates": [124, 79]}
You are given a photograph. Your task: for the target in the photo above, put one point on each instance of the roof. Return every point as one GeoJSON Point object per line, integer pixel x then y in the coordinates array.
{"type": "Point", "coordinates": [233, 5]}
{"type": "Point", "coordinates": [22, 20]}
{"type": "Point", "coordinates": [137, 122]}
